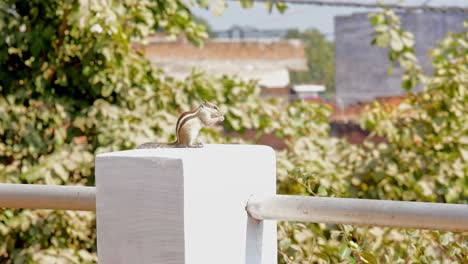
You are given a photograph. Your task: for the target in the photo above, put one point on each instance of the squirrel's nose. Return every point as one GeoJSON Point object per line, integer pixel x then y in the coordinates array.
{"type": "Point", "coordinates": [218, 114]}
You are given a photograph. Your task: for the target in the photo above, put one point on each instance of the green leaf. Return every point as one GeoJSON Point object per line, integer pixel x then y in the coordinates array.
{"type": "Point", "coordinates": [269, 6]}
{"type": "Point", "coordinates": [218, 7]}
{"type": "Point", "coordinates": [382, 40]}
{"type": "Point", "coordinates": [348, 229]}
{"type": "Point", "coordinates": [285, 244]}
{"type": "Point", "coordinates": [61, 172]}
{"type": "Point", "coordinates": [345, 252]}
{"type": "Point", "coordinates": [281, 7]}
{"type": "Point", "coordinates": [407, 84]}
{"type": "Point", "coordinates": [322, 191]}
{"type": "Point", "coordinates": [408, 41]}
{"type": "Point", "coordinates": [369, 257]}
{"type": "Point", "coordinates": [107, 90]}
{"type": "Point", "coordinates": [390, 70]}
{"type": "Point", "coordinates": [396, 44]}
{"type": "Point", "coordinates": [445, 239]}
{"type": "Point", "coordinates": [247, 3]}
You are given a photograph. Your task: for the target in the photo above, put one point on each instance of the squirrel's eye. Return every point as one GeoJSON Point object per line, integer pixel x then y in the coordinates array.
{"type": "Point", "coordinates": [216, 108]}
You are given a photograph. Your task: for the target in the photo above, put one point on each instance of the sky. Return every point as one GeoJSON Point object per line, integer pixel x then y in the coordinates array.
{"type": "Point", "coordinates": [296, 16]}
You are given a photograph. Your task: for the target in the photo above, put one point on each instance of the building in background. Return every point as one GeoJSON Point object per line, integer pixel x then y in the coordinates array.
{"type": "Point", "coordinates": [307, 92]}
{"type": "Point", "coordinates": [266, 60]}
{"type": "Point", "coordinates": [361, 69]}
{"type": "Point", "coordinates": [252, 33]}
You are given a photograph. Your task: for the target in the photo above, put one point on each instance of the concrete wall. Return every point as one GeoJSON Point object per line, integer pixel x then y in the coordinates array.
{"type": "Point", "coordinates": [184, 205]}
{"type": "Point", "coordinates": [361, 69]}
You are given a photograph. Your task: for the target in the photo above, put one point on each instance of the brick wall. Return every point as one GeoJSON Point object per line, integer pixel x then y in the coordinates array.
{"type": "Point", "coordinates": [228, 50]}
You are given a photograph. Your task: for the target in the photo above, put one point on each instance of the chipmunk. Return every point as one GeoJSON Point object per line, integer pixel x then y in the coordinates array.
{"type": "Point", "coordinates": [189, 125]}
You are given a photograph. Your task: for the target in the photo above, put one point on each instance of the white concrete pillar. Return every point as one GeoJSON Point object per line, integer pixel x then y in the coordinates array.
{"type": "Point", "coordinates": [182, 205]}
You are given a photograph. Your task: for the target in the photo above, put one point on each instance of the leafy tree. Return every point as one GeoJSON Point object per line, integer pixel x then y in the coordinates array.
{"type": "Point", "coordinates": [320, 56]}
{"type": "Point", "coordinates": [424, 158]}
{"type": "Point", "coordinates": [73, 86]}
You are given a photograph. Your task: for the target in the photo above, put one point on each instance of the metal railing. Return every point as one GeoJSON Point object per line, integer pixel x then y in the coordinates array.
{"type": "Point", "coordinates": [439, 216]}
{"type": "Point", "coordinates": [450, 217]}
{"type": "Point", "coordinates": [35, 196]}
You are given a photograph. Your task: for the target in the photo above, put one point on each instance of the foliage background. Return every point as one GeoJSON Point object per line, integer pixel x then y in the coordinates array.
{"type": "Point", "coordinates": [72, 86]}
{"type": "Point", "coordinates": [320, 55]}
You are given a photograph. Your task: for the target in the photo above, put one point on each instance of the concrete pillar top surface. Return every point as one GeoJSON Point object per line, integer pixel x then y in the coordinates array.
{"type": "Point", "coordinates": [218, 149]}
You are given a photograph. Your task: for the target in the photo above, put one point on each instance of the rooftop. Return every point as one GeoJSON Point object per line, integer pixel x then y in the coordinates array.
{"type": "Point", "coordinates": [267, 60]}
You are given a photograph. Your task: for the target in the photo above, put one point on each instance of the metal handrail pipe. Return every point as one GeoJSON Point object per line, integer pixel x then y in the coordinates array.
{"type": "Point", "coordinates": [35, 196]}
{"type": "Point", "coordinates": [419, 215]}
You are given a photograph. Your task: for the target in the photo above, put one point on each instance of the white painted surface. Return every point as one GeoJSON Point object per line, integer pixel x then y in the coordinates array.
{"type": "Point", "coordinates": [308, 88]}
{"type": "Point", "coordinates": [38, 196]}
{"type": "Point", "coordinates": [184, 205]}
{"type": "Point", "coordinates": [439, 216]}
{"type": "Point", "coordinates": [269, 73]}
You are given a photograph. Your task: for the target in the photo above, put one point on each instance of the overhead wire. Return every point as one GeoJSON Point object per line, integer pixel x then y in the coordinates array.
{"type": "Point", "coordinates": [346, 3]}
